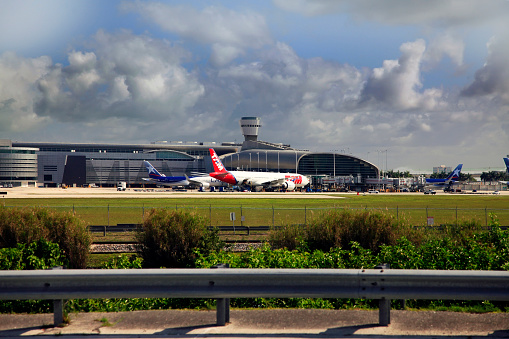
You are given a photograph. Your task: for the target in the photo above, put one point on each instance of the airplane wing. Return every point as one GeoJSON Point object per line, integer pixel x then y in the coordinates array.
{"type": "Point", "coordinates": [193, 182]}
{"type": "Point", "coordinates": [262, 181]}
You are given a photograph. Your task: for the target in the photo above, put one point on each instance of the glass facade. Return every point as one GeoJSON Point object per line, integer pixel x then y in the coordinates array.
{"type": "Point", "coordinates": [18, 166]}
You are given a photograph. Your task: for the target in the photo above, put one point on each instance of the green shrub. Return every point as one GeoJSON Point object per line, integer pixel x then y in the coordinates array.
{"type": "Point", "coordinates": [339, 229]}
{"type": "Point", "coordinates": [169, 238]}
{"type": "Point", "coordinates": [124, 261]}
{"type": "Point", "coordinates": [39, 255]}
{"type": "Point", "coordinates": [28, 225]}
{"type": "Point", "coordinates": [292, 237]}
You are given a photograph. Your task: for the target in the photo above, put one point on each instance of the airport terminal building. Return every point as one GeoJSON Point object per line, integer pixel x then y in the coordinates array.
{"type": "Point", "coordinates": [81, 164]}
{"type": "Point", "coordinates": [18, 165]}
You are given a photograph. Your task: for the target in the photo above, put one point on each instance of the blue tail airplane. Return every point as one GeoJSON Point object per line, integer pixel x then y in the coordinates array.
{"type": "Point", "coordinates": [204, 181]}
{"type": "Point", "coordinates": [156, 177]}
{"type": "Point", "coordinates": [506, 160]}
{"type": "Point", "coordinates": [451, 179]}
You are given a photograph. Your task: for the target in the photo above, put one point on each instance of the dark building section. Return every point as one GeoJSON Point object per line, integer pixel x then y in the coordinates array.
{"type": "Point", "coordinates": [75, 171]}
{"type": "Point", "coordinates": [335, 165]}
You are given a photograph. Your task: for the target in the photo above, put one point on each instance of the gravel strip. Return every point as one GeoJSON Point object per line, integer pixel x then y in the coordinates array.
{"type": "Point", "coordinates": [131, 248]}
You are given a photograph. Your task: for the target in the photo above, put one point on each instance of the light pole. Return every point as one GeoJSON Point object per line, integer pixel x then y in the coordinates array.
{"type": "Point", "coordinates": [250, 167]}
{"type": "Point", "coordinates": [295, 161]}
{"type": "Point", "coordinates": [266, 161]}
{"type": "Point", "coordinates": [334, 161]}
{"type": "Point", "coordinates": [258, 153]}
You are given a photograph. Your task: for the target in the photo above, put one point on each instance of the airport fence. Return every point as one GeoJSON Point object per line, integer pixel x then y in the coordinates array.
{"type": "Point", "coordinates": [277, 216]}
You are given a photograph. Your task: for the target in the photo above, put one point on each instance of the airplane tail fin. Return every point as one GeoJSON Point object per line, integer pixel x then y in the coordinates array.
{"type": "Point", "coordinates": [506, 160]}
{"type": "Point", "coordinates": [152, 172]}
{"type": "Point", "coordinates": [455, 175]}
{"type": "Point", "coordinates": [218, 165]}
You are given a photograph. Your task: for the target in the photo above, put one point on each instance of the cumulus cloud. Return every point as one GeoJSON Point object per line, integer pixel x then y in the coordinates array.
{"type": "Point", "coordinates": [444, 45]}
{"type": "Point", "coordinates": [18, 91]}
{"type": "Point", "coordinates": [396, 84]}
{"type": "Point", "coordinates": [492, 80]}
{"type": "Point", "coordinates": [229, 33]}
{"type": "Point", "coordinates": [123, 76]}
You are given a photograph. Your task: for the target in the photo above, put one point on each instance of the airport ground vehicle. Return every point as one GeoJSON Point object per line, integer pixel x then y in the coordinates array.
{"type": "Point", "coordinates": [121, 186]}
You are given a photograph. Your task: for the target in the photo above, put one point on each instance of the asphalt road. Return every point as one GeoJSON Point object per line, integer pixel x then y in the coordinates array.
{"type": "Point", "coordinates": [275, 323]}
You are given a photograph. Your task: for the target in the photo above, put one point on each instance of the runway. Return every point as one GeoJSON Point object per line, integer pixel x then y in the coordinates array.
{"type": "Point", "coordinates": [133, 193]}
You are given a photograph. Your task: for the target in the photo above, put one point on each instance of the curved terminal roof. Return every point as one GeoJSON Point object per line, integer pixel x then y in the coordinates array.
{"type": "Point", "coordinates": [303, 162]}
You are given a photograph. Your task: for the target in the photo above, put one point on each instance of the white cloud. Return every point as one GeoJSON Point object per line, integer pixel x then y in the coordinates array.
{"type": "Point", "coordinates": [18, 91]}
{"type": "Point", "coordinates": [492, 80]}
{"type": "Point", "coordinates": [230, 33]}
{"type": "Point", "coordinates": [124, 76]}
{"type": "Point", "coordinates": [396, 84]}
{"type": "Point", "coordinates": [444, 45]}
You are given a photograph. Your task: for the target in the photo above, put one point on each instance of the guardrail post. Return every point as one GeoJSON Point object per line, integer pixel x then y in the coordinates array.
{"type": "Point", "coordinates": [58, 307]}
{"type": "Point", "coordinates": [384, 305]}
{"type": "Point", "coordinates": [222, 304]}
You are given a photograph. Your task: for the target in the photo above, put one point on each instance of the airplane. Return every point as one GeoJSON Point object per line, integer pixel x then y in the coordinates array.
{"type": "Point", "coordinates": [451, 179]}
{"type": "Point", "coordinates": [204, 181]}
{"type": "Point", "coordinates": [506, 160]}
{"type": "Point", "coordinates": [256, 180]}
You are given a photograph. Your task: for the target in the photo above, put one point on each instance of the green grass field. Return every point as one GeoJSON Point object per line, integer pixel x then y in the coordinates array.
{"type": "Point", "coordinates": [415, 209]}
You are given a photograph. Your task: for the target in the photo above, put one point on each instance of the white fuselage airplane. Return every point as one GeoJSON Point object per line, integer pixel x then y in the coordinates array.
{"type": "Point", "coordinates": [288, 181]}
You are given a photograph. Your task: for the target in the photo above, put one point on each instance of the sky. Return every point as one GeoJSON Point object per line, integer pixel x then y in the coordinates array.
{"type": "Point", "coordinates": [404, 84]}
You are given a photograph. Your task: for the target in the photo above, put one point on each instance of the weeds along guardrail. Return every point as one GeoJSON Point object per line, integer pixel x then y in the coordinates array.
{"type": "Point", "coordinates": [277, 216]}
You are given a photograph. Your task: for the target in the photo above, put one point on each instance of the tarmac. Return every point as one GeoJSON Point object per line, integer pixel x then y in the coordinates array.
{"type": "Point", "coordinates": [133, 193]}
{"type": "Point", "coordinates": [254, 323]}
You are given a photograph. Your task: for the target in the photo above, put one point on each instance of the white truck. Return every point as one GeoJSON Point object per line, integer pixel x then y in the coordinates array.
{"type": "Point", "coordinates": [121, 186]}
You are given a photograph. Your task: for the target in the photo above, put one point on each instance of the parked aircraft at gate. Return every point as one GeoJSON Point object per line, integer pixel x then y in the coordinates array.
{"type": "Point", "coordinates": [204, 181]}
{"type": "Point", "coordinates": [506, 160]}
{"type": "Point", "coordinates": [451, 179]}
{"type": "Point", "coordinates": [288, 181]}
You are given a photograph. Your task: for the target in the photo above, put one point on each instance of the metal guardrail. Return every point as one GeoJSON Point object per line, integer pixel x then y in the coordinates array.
{"type": "Point", "coordinates": [222, 284]}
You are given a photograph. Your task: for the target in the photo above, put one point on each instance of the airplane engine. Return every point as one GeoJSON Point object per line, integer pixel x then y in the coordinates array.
{"type": "Point", "coordinates": [289, 185]}
{"type": "Point", "coordinates": [205, 185]}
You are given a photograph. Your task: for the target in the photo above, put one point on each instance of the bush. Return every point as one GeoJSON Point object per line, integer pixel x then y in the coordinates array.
{"type": "Point", "coordinates": [170, 238]}
{"type": "Point", "coordinates": [292, 237]}
{"type": "Point", "coordinates": [339, 229]}
{"type": "Point", "coordinates": [39, 255]}
{"type": "Point", "coordinates": [28, 225]}
{"type": "Point", "coordinates": [123, 261]}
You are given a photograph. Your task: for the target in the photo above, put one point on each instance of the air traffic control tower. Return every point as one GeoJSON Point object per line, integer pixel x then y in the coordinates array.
{"type": "Point", "coordinates": [249, 126]}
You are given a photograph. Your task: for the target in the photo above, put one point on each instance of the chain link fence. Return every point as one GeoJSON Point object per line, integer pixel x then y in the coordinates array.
{"type": "Point", "coordinates": [277, 216]}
